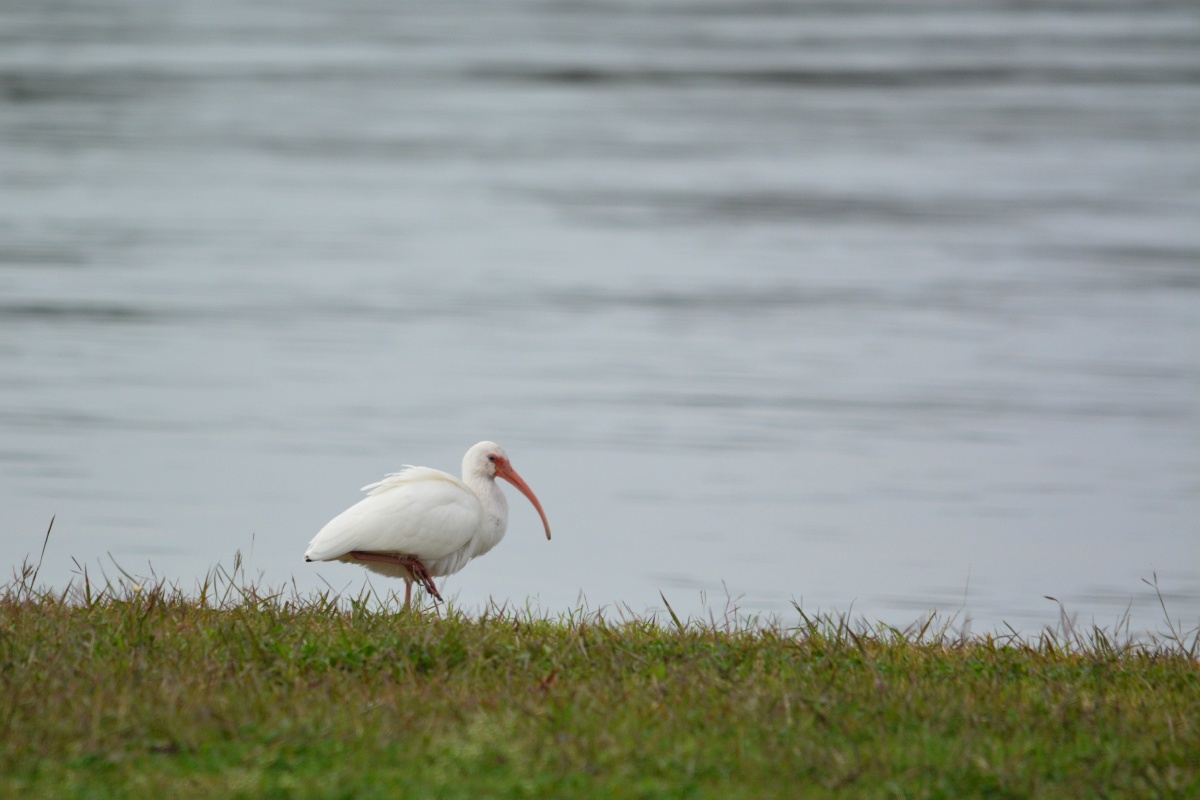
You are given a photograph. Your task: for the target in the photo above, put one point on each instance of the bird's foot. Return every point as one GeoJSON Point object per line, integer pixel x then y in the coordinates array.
{"type": "Point", "coordinates": [418, 570]}
{"type": "Point", "coordinates": [422, 575]}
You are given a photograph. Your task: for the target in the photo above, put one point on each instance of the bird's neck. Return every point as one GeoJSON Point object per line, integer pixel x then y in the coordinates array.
{"type": "Point", "coordinates": [495, 510]}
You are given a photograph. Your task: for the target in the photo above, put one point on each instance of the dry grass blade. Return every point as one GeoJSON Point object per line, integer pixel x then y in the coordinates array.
{"type": "Point", "coordinates": [671, 611]}
{"type": "Point", "coordinates": [42, 555]}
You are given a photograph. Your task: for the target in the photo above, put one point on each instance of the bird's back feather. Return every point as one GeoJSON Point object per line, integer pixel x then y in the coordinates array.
{"type": "Point", "coordinates": [419, 511]}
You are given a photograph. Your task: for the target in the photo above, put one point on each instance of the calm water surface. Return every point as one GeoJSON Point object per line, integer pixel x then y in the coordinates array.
{"type": "Point", "coordinates": [875, 308]}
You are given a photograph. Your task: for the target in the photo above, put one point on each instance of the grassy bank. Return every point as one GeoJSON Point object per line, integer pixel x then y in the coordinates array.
{"type": "Point", "coordinates": [131, 690]}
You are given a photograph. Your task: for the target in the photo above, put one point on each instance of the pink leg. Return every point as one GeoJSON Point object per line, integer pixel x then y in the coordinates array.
{"type": "Point", "coordinates": [422, 574]}
{"type": "Point", "coordinates": [413, 565]}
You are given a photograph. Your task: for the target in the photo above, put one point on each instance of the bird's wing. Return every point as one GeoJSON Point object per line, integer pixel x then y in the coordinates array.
{"type": "Point", "coordinates": [419, 512]}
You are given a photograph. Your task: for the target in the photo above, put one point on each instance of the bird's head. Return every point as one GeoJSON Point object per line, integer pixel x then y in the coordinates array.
{"type": "Point", "coordinates": [488, 459]}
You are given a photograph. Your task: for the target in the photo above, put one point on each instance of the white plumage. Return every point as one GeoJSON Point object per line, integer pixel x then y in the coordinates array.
{"type": "Point", "coordinates": [421, 522]}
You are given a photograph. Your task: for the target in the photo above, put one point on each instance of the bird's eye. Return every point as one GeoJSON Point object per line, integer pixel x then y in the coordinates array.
{"type": "Point", "coordinates": [491, 458]}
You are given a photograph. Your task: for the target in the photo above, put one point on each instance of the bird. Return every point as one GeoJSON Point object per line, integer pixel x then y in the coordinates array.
{"type": "Point", "coordinates": [420, 523]}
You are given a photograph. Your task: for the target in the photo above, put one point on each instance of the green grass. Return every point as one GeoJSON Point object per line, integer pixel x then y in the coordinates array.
{"type": "Point", "coordinates": [228, 691]}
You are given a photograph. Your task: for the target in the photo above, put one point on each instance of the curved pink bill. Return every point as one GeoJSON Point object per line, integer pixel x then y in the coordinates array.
{"type": "Point", "coordinates": [505, 470]}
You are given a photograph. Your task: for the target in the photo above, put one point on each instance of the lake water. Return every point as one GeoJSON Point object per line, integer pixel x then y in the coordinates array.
{"type": "Point", "coordinates": [878, 308]}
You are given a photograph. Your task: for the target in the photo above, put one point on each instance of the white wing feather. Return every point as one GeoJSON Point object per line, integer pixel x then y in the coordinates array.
{"type": "Point", "coordinates": [419, 512]}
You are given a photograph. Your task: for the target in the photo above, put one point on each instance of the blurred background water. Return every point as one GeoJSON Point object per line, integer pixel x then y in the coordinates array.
{"type": "Point", "coordinates": [879, 308]}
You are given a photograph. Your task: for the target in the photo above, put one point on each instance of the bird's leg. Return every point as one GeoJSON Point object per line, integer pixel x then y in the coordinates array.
{"type": "Point", "coordinates": [407, 593]}
{"type": "Point", "coordinates": [422, 574]}
{"type": "Point", "coordinates": [413, 565]}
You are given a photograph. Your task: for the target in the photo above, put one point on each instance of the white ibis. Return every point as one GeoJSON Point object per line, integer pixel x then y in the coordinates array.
{"type": "Point", "coordinates": [421, 522]}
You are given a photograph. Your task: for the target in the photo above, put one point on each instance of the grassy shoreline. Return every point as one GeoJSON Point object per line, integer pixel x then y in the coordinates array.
{"type": "Point", "coordinates": [135, 690]}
